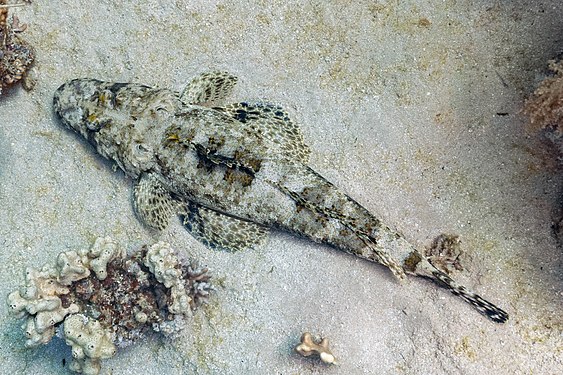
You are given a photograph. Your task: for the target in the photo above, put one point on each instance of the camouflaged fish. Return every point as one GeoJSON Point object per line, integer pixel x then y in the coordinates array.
{"type": "Point", "coordinates": [231, 172]}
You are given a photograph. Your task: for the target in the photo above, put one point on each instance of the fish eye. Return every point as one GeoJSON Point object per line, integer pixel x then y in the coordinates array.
{"type": "Point", "coordinates": [142, 148]}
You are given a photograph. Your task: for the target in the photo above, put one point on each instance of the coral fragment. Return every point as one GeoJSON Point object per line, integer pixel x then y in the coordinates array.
{"type": "Point", "coordinates": [309, 347]}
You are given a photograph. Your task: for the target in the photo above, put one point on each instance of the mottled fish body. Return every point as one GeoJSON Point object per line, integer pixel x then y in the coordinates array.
{"type": "Point", "coordinates": [231, 171]}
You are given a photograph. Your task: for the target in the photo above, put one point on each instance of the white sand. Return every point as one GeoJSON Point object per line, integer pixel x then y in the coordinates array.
{"type": "Point", "coordinates": [399, 101]}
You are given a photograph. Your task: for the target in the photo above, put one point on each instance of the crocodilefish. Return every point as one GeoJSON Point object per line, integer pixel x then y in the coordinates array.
{"type": "Point", "coordinates": [232, 172]}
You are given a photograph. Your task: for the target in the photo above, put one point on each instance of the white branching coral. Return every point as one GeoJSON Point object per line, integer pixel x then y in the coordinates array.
{"type": "Point", "coordinates": [72, 267]}
{"type": "Point", "coordinates": [104, 251]}
{"type": "Point", "coordinates": [90, 343]}
{"type": "Point", "coordinates": [164, 265]}
{"type": "Point", "coordinates": [105, 299]}
{"type": "Point", "coordinates": [39, 303]}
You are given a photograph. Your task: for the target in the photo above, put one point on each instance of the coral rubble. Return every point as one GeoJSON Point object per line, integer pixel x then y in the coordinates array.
{"type": "Point", "coordinates": [545, 106]}
{"type": "Point", "coordinates": [445, 253]}
{"type": "Point", "coordinates": [16, 55]}
{"type": "Point", "coordinates": [102, 299]}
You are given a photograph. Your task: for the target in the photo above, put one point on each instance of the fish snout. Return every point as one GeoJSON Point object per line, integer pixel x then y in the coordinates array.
{"type": "Point", "coordinates": [71, 101]}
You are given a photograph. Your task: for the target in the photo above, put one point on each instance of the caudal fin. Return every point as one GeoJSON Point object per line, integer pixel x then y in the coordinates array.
{"type": "Point", "coordinates": [495, 313]}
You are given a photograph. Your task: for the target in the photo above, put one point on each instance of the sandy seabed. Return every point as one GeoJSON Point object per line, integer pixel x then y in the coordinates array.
{"type": "Point", "coordinates": [411, 107]}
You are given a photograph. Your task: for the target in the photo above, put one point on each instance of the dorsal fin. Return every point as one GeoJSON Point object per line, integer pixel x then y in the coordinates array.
{"type": "Point", "coordinates": [208, 88]}
{"type": "Point", "coordinates": [273, 122]}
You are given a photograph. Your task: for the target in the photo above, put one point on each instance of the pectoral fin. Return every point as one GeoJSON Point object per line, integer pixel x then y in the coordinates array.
{"type": "Point", "coordinates": [220, 231]}
{"type": "Point", "coordinates": [153, 203]}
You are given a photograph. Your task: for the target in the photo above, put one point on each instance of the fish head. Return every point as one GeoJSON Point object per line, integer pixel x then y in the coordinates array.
{"type": "Point", "coordinates": [89, 105]}
{"type": "Point", "coordinates": [120, 120]}
{"type": "Point", "coordinates": [74, 101]}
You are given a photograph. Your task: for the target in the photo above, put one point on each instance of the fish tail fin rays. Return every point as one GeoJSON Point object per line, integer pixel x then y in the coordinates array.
{"type": "Point", "coordinates": [488, 309]}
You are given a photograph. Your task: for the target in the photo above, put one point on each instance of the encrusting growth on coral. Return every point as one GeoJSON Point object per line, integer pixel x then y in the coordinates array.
{"type": "Point", "coordinates": [309, 347]}
{"type": "Point", "coordinates": [101, 299]}
{"type": "Point", "coordinates": [16, 55]}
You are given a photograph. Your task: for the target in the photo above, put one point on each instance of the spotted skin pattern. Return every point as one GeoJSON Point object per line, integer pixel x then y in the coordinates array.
{"type": "Point", "coordinates": [232, 172]}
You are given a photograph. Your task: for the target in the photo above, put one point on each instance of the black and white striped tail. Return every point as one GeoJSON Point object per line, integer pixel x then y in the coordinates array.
{"type": "Point", "coordinates": [496, 314]}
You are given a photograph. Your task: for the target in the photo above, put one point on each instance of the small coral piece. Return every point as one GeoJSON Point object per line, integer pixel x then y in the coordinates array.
{"type": "Point", "coordinates": [308, 347]}
{"type": "Point", "coordinates": [106, 299]}
{"type": "Point", "coordinates": [16, 55]}
{"type": "Point", "coordinates": [445, 253]}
